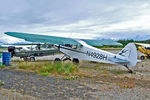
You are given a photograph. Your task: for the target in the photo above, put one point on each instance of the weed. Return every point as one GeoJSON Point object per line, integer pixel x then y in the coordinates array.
{"type": "Point", "coordinates": [96, 67]}
{"type": "Point", "coordinates": [1, 67]}
{"type": "Point", "coordinates": [24, 65]}
{"type": "Point", "coordinates": [2, 83]}
{"type": "Point", "coordinates": [134, 72]}
{"type": "Point", "coordinates": [44, 74]}
{"type": "Point", "coordinates": [59, 67]}
{"type": "Point", "coordinates": [71, 78]}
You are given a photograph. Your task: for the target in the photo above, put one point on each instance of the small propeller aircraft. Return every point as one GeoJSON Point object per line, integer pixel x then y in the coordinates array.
{"type": "Point", "coordinates": [29, 51]}
{"type": "Point", "coordinates": [145, 49]}
{"type": "Point", "coordinates": [81, 50]}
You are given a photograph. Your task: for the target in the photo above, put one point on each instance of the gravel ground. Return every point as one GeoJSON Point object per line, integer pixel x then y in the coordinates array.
{"type": "Point", "coordinates": [42, 87]}
{"type": "Point", "coordinates": [11, 95]}
{"type": "Point", "coordinates": [124, 94]}
{"type": "Point", "coordinates": [33, 86]}
{"type": "Point", "coordinates": [45, 88]}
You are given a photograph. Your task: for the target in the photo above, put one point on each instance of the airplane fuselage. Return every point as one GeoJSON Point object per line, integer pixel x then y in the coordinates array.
{"type": "Point", "coordinates": [88, 53]}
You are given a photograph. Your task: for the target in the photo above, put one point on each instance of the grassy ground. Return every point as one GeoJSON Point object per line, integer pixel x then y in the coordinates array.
{"type": "Point", "coordinates": [103, 78]}
{"type": "Point", "coordinates": [94, 75]}
{"type": "Point", "coordinates": [46, 67]}
{"type": "Point", "coordinates": [100, 72]}
{"type": "Point", "coordinates": [69, 71]}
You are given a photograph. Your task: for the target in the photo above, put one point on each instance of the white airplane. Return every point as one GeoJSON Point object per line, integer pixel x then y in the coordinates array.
{"type": "Point", "coordinates": [29, 51]}
{"type": "Point", "coordinates": [82, 51]}
{"type": "Point", "coordinates": [126, 57]}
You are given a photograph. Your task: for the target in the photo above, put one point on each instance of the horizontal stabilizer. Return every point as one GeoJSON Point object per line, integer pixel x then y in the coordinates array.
{"type": "Point", "coordinates": [119, 61]}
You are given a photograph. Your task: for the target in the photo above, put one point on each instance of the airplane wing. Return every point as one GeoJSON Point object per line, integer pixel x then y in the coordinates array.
{"type": "Point", "coordinates": [42, 38]}
{"type": "Point", "coordinates": [142, 44]}
{"type": "Point", "coordinates": [59, 40]}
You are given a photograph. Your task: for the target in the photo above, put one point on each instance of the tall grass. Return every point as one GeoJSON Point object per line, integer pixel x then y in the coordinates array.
{"type": "Point", "coordinates": [44, 68]}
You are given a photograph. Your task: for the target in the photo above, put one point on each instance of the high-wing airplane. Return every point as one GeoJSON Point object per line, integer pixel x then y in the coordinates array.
{"type": "Point", "coordinates": [80, 49]}
{"type": "Point", "coordinates": [145, 49]}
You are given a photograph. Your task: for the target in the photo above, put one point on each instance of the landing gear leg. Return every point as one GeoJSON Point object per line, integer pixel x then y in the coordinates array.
{"type": "Point", "coordinates": [65, 57]}
{"type": "Point", "coordinates": [130, 71]}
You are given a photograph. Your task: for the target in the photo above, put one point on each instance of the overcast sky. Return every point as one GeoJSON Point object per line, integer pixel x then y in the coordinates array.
{"type": "Point", "coordinates": [114, 19]}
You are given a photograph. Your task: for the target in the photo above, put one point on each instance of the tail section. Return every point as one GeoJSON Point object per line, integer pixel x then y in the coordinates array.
{"type": "Point", "coordinates": [130, 53]}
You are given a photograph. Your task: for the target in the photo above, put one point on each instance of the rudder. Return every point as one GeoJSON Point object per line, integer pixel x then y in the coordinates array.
{"type": "Point", "coordinates": [129, 52]}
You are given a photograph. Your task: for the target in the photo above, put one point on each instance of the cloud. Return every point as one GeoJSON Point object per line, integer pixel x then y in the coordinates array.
{"type": "Point", "coordinates": [115, 19]}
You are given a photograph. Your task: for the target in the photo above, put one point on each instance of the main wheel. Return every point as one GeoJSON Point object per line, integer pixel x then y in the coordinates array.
{"type": "Point", "coordinates": [32, 59]}
{"type": "Point", "coordinates": [142, 57]}
{"type": "Point", "coordinates": [75, 60]}
{"type": "Point", "coordinates": [57, 60]}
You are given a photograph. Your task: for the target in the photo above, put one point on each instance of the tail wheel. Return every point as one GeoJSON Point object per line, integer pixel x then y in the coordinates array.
{"type": "Point", "coordinates": [75, 60]}
{"type": "Point", "coordinates": [32, 59]}
{"type": "Point", "coordinates": [57, 60]}
{"type": "Point", "coordinates": [142, 57]}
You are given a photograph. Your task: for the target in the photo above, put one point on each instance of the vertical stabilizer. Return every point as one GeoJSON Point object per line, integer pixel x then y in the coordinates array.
{"type": "Point", "coordinates": [129, 52]}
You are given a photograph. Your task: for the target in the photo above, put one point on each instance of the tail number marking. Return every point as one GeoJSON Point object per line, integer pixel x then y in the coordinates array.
{"type": "Point", "coordinates": [97, 55]}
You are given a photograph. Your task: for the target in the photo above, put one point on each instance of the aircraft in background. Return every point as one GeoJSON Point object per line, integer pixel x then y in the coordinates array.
{"type": "Point", "coordinates": [29, 51]}
{"type": "Point", "coordinates": [76, 50]}
{"type": "Point", "coordinates": [145, 49]}
{"type": "Point", "coordinates": [20, 47]}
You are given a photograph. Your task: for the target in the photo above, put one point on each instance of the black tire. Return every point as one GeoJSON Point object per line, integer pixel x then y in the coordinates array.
{"type": "Point", "coordinates": [75, 61]}
{"type": "Point", "coordinates": [142, 57]}
{"type": "Point", "coordinates": [57, 60]}
{"type": "Point", "coordinates": [32, 59]}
